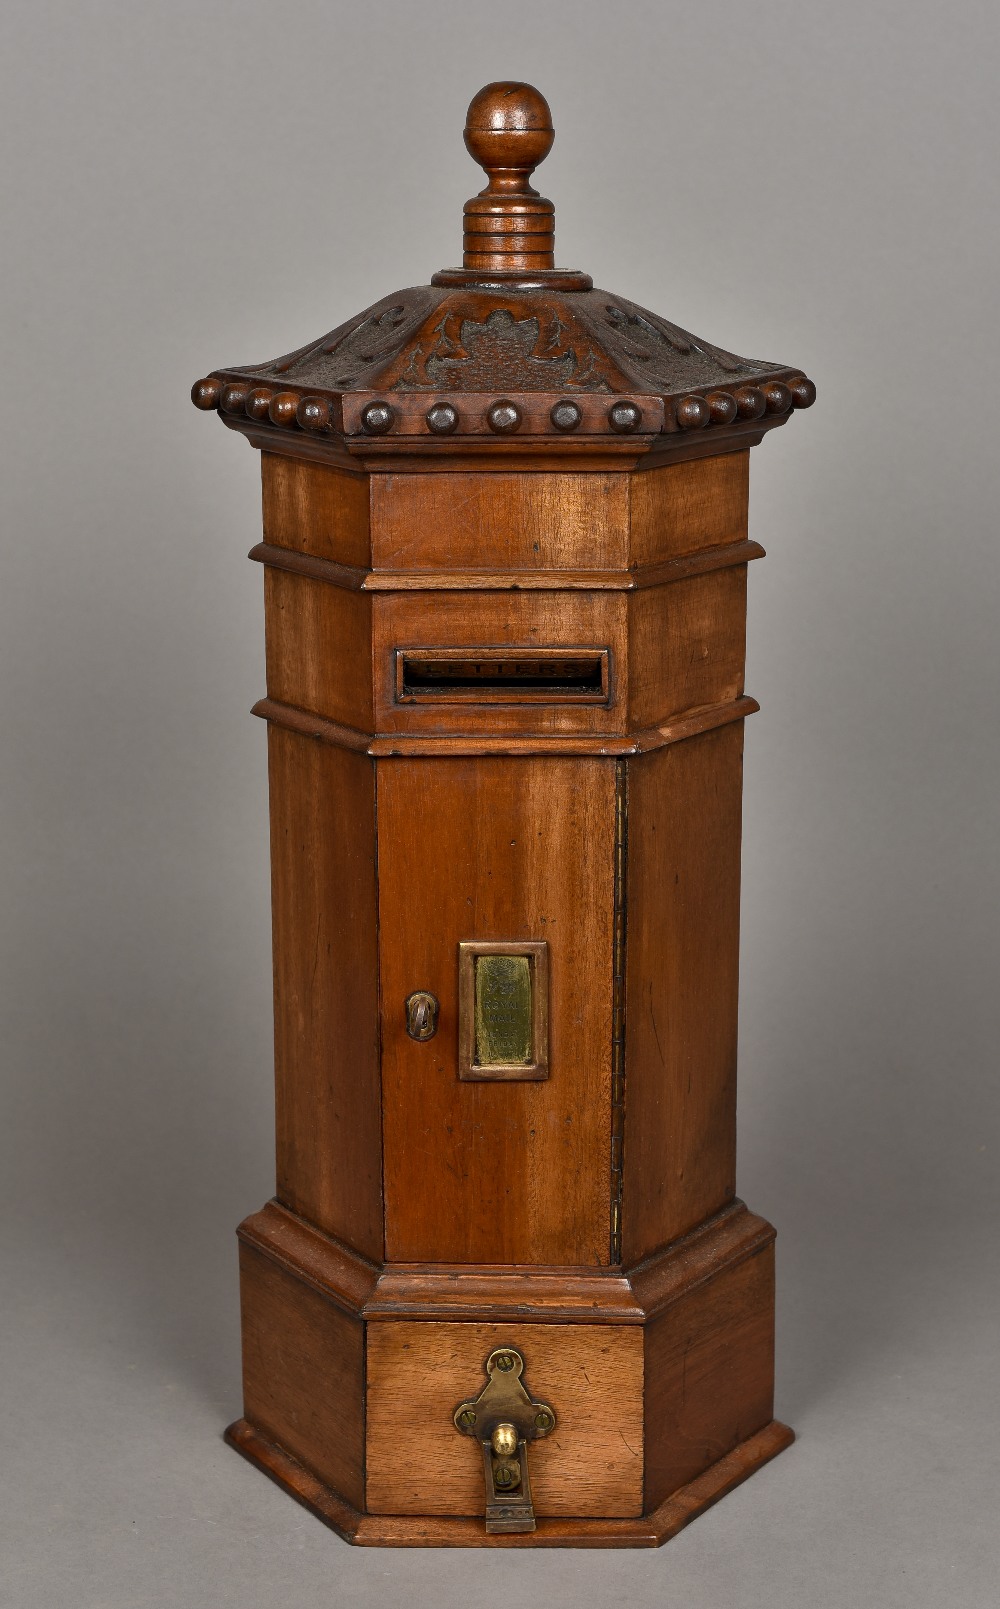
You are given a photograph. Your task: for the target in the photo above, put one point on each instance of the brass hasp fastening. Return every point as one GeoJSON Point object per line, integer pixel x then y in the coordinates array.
{"type": "Point", "coordinates": [503, 1419]}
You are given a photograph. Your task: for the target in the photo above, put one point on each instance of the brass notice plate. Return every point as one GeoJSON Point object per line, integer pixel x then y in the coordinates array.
{"type": "Point", "coordinates": [503, 1010]}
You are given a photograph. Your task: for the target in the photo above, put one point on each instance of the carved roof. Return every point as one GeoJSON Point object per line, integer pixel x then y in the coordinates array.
{"type": "Point", "coordinates": [505, 352]}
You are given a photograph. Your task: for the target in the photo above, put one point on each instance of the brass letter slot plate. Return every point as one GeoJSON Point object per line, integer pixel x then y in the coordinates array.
{"type": "Point", "coordinates": [503, 1010]}
{"type": "Point", "coordinates": [502, 675]}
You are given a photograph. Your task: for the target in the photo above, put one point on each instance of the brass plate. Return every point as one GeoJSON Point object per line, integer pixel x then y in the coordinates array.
{"type": "Point", "coordinates": [503, 1010]}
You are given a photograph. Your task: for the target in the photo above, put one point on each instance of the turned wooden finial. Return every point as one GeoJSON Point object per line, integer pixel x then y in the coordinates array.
{"type": "Point", "coordinates": [508, 131]}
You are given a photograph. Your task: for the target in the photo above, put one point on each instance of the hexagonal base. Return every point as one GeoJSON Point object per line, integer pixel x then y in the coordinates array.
{"type": "Point", "coordinates": [437, 1531]}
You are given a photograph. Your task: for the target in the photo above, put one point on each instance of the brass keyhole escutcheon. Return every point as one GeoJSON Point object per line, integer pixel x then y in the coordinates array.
{"type": "Point", "coordinates": [421, 1015]}
{"type": "Point", "coordinates": [505, 1418]}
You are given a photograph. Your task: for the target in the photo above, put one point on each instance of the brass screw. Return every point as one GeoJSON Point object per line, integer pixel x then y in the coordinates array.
{"type": "Point", "coordinates": [467, 1418]}
{"type": "Point", "coordinates": [505, 1476]}
{"type": "Point", "coordinates": [505, 1361]}
{"type": "Point", "coordinates": [543, 1420]}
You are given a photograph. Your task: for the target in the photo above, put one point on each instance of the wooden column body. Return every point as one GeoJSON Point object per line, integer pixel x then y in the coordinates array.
{"type": "Point", "coordinates": [588, 1219]}
{"type": "Point", "coordinates": [505, 555]}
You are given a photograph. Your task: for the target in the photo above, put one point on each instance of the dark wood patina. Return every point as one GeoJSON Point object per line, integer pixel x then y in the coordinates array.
{"type": "Point", "coordinates": [505, 553]}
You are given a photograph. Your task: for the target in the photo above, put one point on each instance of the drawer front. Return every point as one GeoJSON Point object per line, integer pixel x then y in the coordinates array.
{"type": "Point", "coordinates": [419, 1372]}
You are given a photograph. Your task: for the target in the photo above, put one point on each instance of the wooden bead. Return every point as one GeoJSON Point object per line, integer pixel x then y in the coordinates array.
{"type": "Point", "coordinates": [692, 413]}
{"type": "Point", "coordinates": [442, 419]}
{"type": "Point", "coordinates": [565, 415]}
{"type": "Point", "coordinates": [750, 401]}
{"type": "Point", "coordinates": [777, 396]}
{"type": "Point", "coordinates": [258, 402]}
{"type": "Point", "coordinates": [282, 408]}
{"type": "Point", "coordinates": [377, 419]}
{"type": "Point", "coordinates": [206, 393]}
{"type": "Point", "coordinates": [313, 413]}
{"type": "Point", "coordinates": [803, 392]}
{"type": "Point", "coordinates": [504, 417]}
{"type": "Point", "coordinates": [721, 407]}
{"type": "Point", "coordinates": [233, 399]}
{"type": "Point", "coordinates": [624, 416]}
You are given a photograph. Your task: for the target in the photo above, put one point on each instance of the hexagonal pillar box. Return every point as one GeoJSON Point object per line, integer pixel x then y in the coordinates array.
{"type": "Point", "coordinates": [504, 1293]}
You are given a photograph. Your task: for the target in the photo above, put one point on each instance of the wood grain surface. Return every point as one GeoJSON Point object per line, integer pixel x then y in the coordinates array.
{"type": "Point", "coordinates": [543, 521]}
{"type": "Point", "coordinates": [686, 645]}
{"type": "Point", "coordinates": [303, 1373]}
{"type": "Point", "coordinates": [684, 825]}
{"type": "Point", "coordinates": [316, 509]}
{"type": "Point", "coordinates": [591, 1463]}
{"type": "Point", "coordinates": [683, 507]}
{"type": "Point", "coordinates": [497, 849]}
{"type": "Point", "coordinates": [709, 1374]}
{"type": "Point", "coordinates": [318, 645]}
{"type": "Point", "coordinates": [328, 1111]}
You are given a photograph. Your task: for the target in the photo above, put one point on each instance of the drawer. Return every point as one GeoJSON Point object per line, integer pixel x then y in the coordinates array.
{"type": "Point", "coordinates": [419, 1372]}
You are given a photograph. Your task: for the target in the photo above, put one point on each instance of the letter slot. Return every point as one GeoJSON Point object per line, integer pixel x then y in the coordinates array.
{"type": "Point", "coordinates": [502, 675]}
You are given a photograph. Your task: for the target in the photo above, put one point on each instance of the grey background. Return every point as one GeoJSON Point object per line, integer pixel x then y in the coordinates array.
{"type": "Point", "coordinates": [193, 184]}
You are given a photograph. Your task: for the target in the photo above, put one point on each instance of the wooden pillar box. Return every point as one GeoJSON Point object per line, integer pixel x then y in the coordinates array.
{"type": "Point", "coordinates": [505, 1293]}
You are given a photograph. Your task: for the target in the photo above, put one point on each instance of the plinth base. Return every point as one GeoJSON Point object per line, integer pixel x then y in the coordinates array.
{"type": "Point", "coordinates": [437, 1531]}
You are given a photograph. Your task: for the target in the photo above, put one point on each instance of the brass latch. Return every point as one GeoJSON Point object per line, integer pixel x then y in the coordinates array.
{"type": "Point", "coordinates": [504, 1418]}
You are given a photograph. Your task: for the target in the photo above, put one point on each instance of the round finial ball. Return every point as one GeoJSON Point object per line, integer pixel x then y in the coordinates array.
{"type": "Point", "coordinates": [777, 396]}
{"type": "Point", "coordinates": [282, 408]}
{"type": "Point", "coordinates": [751, 402]}
{"type": "Point", "coordinates": [692, 413]}
{"type": "Point", "coordinates": [313, 413]}
{"type": "Point", "coordinates": [803, 392]}
{"type": "Point", "coordinates": [504, 417]}
{"type": "Point", "coordinates": [442, 419]}
{"type": "Point", "coordinates": [377, 419]}
{"type": "Point", "coordinates": [565, 415]}
{"type": "Point", "coordinates": [624, 416]}
{"type": "Point", "coordinates": [258, 402]}
{"type": "Point", "coordinates": [509, 126]}
{"type": "Point", "coordinates": [721, 407]}
{"type": "Point", "coordinates": [206, 393]}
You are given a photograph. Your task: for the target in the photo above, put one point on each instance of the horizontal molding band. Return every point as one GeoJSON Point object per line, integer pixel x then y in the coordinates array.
{"type": "Point", "coordinates": [335, 1271]}
{"type": "Point", "coordinates": [404, 744]}
{"type": "Point", "coordinates": [387, 455]}
{"type": "Point", "coordinates": [490, 1294]}
{"type": "Point", "coordinates": [355, 579]}
{"type": "Point", "coordinates": [347, 576]}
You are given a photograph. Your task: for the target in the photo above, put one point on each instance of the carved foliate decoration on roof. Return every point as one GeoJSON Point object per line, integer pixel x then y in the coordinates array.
{"type": "Point", "coordinates": [475, 355]}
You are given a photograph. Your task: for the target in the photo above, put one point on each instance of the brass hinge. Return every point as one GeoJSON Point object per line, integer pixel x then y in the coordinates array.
{"type": "Point", "coordinates": [618, 1009]}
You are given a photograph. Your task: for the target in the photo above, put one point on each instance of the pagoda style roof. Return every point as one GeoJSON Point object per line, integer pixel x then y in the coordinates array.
{"type": "Point", "coordinates": [507, 354]}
